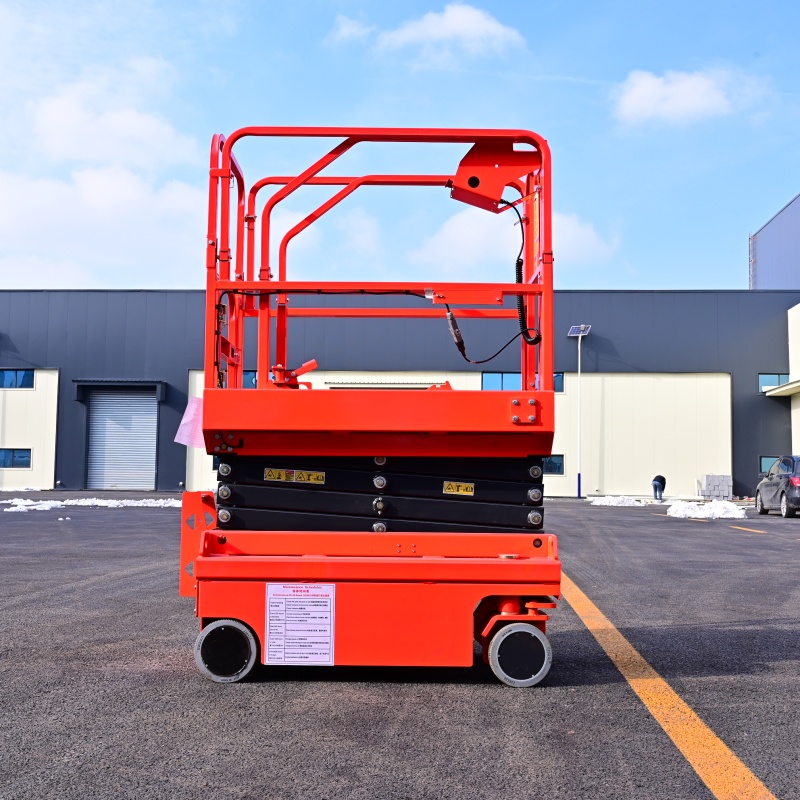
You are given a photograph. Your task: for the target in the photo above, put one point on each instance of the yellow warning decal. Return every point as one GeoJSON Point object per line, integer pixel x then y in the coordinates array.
{"type": "Point", "coordinates": [309, 477]}
{"type": "Point", "coordinates": [293, 476]}
{"type": "Point", "coordinates": [453, 487]}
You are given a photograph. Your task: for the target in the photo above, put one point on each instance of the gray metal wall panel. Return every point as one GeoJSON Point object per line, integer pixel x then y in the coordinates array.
{"type": "Point", "coordinates": [775, 251]}
{"type": "Point", "coordinates": [158, 336]}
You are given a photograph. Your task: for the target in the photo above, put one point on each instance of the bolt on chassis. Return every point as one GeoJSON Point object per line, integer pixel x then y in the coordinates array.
{"type": "Point", "coordinates": [372, 527]}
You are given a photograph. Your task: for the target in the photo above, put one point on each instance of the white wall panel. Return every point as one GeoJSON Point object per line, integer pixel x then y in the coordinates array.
{"type": "Point", "coordinates": [28, 421]}
{"type": "Point", "coordinates": [793, 318]}
{"type": "Point", "coordinates": [638, 425]}
{"type": "Point", "coordinates": [793, 321]}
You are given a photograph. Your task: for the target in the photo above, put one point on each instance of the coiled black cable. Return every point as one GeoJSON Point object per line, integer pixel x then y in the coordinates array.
{"type": "Point", "coordinates": [522, 310]}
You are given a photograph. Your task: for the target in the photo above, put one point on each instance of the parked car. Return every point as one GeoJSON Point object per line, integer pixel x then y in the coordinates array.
{"type": "Point", "coordinates": [780, 487]}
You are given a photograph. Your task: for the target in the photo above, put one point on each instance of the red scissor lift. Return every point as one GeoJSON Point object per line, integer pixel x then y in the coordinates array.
{"type": "Point", "coordinates": [379, 527]}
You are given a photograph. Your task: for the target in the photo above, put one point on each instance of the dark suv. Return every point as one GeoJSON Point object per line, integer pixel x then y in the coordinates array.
{"type": "Point", "coordinates": [780, 487]}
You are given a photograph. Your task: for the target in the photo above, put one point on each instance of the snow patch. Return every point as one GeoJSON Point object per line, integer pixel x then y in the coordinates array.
{"type": "Point", "coordinates": [23, 504]}
{"type": "Point", "coordinates": [616, 501]}
{"type": "Point", "coordinates": [716, 509]}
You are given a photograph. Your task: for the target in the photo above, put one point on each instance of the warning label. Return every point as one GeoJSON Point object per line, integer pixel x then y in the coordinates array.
{"type": "Point", "coordinates": [454, 487]}
{"type": "Point", "coordinates": [300, 623]}
{"type": "Point", "coordinates": [293, 476]}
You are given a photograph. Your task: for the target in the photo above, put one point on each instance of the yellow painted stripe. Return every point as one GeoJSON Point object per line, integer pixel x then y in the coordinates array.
{"type": "Point", "coordinates": [749, 530]}
{"type": "Point", "coordinates": [716, 764]}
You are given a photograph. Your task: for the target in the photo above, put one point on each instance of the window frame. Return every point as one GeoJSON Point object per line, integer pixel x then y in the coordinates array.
{"type": "Point", "coordinates": [545, 473]}
{"type": "Point", "coordinates": [780, 376]}
{"type": "Point", "coordinates": [246, 374]}
{"type": "Point", "coordinates": [13, 451]}
{"type": "Point", "coordinates": [507, 376]}
{"type": "Point", "coordinates": [17, 379]}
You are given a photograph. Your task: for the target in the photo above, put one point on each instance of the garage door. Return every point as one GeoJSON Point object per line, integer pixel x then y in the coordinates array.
{"type": "Point", "coordinates": [123, 427]}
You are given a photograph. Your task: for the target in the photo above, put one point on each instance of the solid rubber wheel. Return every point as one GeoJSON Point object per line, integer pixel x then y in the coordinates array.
{"type": "Point", "coordinates": [520, 655]}
{"type": "Point", "coordinates": [225, 651]}
{"type": "Point", "coordinates": [786, 509]}
{"type": "Point", "coordinates": [760, 504]}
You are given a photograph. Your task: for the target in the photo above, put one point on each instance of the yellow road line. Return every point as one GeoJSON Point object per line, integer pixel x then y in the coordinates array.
{"type": "Point", "coordinates": [716, 764]}
{"type": "Point", "coordinates": [750, 530]}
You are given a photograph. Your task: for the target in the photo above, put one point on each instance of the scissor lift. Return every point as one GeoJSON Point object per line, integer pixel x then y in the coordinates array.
{"type": "Point", "coordinates": [379, 527]}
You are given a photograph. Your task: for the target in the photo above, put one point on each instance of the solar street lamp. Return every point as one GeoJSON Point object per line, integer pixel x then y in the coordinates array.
{"type": "Point", "coordinates": [578, 332]}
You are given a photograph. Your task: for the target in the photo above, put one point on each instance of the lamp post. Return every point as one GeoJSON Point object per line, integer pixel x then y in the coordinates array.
{"type": "Point", "coordinates": [579, 331]}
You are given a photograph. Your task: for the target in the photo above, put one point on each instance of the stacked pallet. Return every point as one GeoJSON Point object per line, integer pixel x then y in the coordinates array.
{"type": "Point", "coordinates": [717, 487]}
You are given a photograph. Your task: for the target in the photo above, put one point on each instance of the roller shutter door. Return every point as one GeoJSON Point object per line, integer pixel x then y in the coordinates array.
{"type": "Point", "coordinates": [123, 428]}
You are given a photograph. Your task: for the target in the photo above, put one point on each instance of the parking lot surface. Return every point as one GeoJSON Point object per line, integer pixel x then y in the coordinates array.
{"type": "Point", "coordinates": [101, 697]}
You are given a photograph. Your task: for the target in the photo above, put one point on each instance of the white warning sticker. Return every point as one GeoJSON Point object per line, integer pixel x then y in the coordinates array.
{"type": "Point", "coordinates": [300, 623]}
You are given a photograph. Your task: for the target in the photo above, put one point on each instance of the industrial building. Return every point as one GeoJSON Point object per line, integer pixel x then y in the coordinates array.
{"type": "Point", "coordinates": [93, 384]}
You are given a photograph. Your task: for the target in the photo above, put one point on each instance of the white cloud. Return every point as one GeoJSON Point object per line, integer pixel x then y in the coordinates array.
{"type": "Point", "coordinates": [474, 245]}
{"type": "Point", "coordinates": [440, 38]}
{"type": "Point", "coordinates": [471, 245]}
{"type": "Point", "coordinates": [343, 245]}
{"type": "Point", "coordinates": [305, 243]}
{"type": "Point", "coordinates": [460, 25]}
{"type": "Point", "coordinates": [676, 97]}
{"type": "Point", "coordinates": [361, 233]}
{"type": "Point", "coordinates": [96, 120]}
{"type": "Point", "coordinates": [89, 196]}
{"type": "Point", "coordinates": [103, 227]}
{"type": "Point", "coordinates": [347, 29]}
{"type": "Point", "coordinates": [577, 244]}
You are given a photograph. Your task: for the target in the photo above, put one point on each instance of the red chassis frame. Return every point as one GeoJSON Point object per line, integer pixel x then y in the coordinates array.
{"type": "Point", "coordinates": [438, 591]}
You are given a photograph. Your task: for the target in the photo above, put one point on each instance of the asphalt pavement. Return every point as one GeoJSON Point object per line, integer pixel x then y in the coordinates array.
{"type": "Point", "coordinates": [101, 697]}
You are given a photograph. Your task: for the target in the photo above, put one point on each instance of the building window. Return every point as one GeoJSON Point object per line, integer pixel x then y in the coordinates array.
{"type": "Point", "coordinates": [554, 465]}
{"type": "Point", "coordinates": [15, 459]}
{"type": "Point", "coordinates": [768, 380]}
{"type": "Point", "coordinates": [496, 381]}
{"type": "Point", "coordinates": [512, 381]}
{"type": "Point", "coordinates": [16, 379]}
{"type": "Point", "coordinates": [765, 462]}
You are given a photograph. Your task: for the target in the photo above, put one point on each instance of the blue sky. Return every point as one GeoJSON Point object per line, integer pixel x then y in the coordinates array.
{"type": "Point", "coordinates": [675, 131]}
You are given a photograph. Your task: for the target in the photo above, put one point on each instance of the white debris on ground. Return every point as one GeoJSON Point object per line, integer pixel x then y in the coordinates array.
{"type": "Point", "coordinates": [716, 509]}
{"type": "Point", "coordinates": [21, 504]}
{"type": "Point", "coordinates": [616, 501]}
{"type": "Point", "coordinates": [25, 489]}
